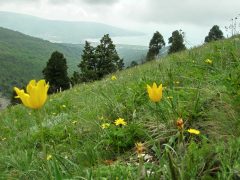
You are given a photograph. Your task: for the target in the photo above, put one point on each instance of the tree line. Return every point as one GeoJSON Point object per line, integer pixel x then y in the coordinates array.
{"type": "Point", "coordinates": [176, 42]}
{"type": "Point", "coordinates": [97, 62]}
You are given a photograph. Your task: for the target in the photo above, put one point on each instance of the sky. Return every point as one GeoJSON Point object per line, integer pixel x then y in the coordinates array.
{"type": "Point", "coordinates": [194, 17]}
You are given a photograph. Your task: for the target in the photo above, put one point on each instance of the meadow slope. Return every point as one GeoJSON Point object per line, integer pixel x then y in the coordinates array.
{"type": "Point", "coordinates": [205, 95]}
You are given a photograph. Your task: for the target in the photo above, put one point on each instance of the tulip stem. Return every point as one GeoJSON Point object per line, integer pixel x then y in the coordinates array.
{"type": "Point", "coordinates": [40, 127]}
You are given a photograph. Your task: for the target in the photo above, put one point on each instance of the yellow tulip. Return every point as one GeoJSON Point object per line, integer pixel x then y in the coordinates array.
{"type": "Point", "coordinates": [154, 92]}
{"type": "Point", "coordinates": [36, 94]}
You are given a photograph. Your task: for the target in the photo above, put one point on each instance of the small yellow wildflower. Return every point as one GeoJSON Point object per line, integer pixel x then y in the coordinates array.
{"type": "Point", "coordinates": [36, 94]}
{"type": "Point", "coordinates": [64, 106]}
{"type": "Point", "coordinates": [120, 122]}
{"type": "Point", "coordinates": [113, 78]}
{"type": "Point", "coordinates": [74, 122]}
{"type": "Point", "coordinates": [49, 157]}
{"type": "Point", "coordinates": [208, 61]}
{"type": "Point", "coordinates": [154, 92]}
{"type": "Point", "coordinates": [170, 97]}
{"type": "Point", "coordinates": [105, 125]}
{"type": "Point", "coordinates": [194, 131]}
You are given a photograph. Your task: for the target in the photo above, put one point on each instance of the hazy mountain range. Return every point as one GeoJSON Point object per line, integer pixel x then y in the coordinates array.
{"type": "Point", "coordinates": [23, 57]}
{"type": "Point", "coordinates": [60, 31]}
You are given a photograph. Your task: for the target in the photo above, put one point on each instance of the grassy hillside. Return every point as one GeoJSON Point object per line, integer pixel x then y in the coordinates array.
{"type": "Point", "coordinates": [59, 31]}
{"type": "Point", "coordinates": [206, 96]}
{"type": "Point", "coordinates": [23, 57]}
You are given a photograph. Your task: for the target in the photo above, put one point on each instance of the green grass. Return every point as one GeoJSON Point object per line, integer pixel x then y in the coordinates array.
{"type": "Point", "coordinates": [206, 96]}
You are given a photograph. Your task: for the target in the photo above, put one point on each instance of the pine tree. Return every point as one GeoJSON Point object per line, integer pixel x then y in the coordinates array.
{"type": "Point", "coordinates": [176, 41]}
{"type": "Point", "coordinates": [156, 43]}
{"type": "Point", "coordinates": [88, 64]}
{"type": "Point", "coordinates": [108, 60]}
{"type": "Point", "coordinates": [76, 78]}
{"type": "Point", "coordinates": [214, 34]}
{"type": "Point", "coordinates": [55, 72]}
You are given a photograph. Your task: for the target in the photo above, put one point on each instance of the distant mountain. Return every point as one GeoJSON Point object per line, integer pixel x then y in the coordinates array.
{"type": "Point", "coordinates": [60, 31]}
{"type": "Point", "coordinates": [23, 57]}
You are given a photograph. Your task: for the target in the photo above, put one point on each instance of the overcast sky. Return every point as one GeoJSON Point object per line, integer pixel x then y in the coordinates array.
{"type": "Point", "coordinates": [194, 17]}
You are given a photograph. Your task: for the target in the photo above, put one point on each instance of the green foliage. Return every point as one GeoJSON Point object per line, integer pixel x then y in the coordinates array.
{"type": "Point", "coordinates": [176, 41]}
{"type": "Point", "coordinates": [214, 34]}
{"type": "Point", "coordinates": [155, 45]}
{"type": "Point", "coordinates": [89, 63]}
{"type": "Point", "coordinates": [76, 78]}
{"type": "Point", "coordinates": [133, 63]}
{"type": "Point", "coordinates": [108, 60]}
{"type": "Point", "coordinates": [55, 73]}
{"type": "Point", "coordinates": [204, 95]}
{"type": "Point", "coordinates": [100, 61]}
{"type": "Point", "coordinates": [23, 57]}
{"type": "Point", "coordinates": [122, 138]}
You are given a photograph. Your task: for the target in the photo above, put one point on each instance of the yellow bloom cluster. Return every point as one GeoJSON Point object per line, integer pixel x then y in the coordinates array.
{"type": "Point", "coordinates": [36, 94]}
{"type": "Point", "coordinates": [49, 157]}
{"type": "Point", "coordinates": [208, 61]}
{"type": "Point", "coordinates": [105, 125]}
{"type": "Point", "coordinates": [194, 131]}
{"type": "Point", "coordinates": [154, 92]}
{"type": "Point", "coordinates": [113, 78]}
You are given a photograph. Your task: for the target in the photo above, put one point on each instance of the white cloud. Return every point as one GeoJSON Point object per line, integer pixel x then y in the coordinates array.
{"type": "Point", "coordinates": [195, 17]}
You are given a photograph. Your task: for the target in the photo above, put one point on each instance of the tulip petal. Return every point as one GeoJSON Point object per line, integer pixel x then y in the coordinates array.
{"type": "Point", "coordinates": [23, 96]}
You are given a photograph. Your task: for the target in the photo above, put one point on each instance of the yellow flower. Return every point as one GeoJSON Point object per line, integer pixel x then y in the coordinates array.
{"type": "Point", "coordinates": [154, 92]}
{"type": "Point", "coordinates": [64, 106]}
{"type": "Point", "coordinates": [74, 122]}
{"type": "Point", "coordinates": [120, 122]}
{"type": "Point", "coordinates": [105, 125]}
{"type": "Point", "coordinates": [36, 94]}
{"type": "Point", "coordinates": [113, 78]}
{"type": "Point", "coordinates": [208, 61]}
{"type": "Point", "coordinates": [49, 157]}
{"type": "Point", "coordinates": [193, 131]}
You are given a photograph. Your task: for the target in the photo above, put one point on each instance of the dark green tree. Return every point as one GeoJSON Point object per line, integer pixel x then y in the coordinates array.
{"type": "Point", "coordinates": [56, 73]}
{"type": "Point", "coordinates": [88, 64]}
{"type": "Point", "coordinates": [214, 34]}
{"type": "Point", "coordinates": [133, 63]}
{"type": "Point", "coordinates": [156, 43]}
{"type": "Point", "coordinates": [76, 78]}
{"type": "Point", "coordinates": [107, 57]}
{"type": "Point", "coordinates": [176, 41]}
